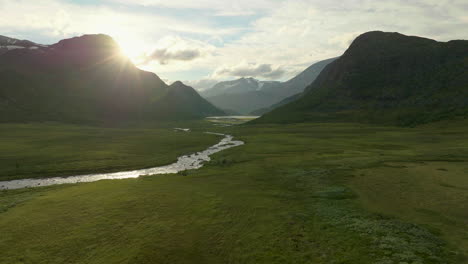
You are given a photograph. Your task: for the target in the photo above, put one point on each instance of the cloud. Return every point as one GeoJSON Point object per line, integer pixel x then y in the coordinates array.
{"type": "Point", "coordinates": [250, 70]}
{"type": "Point", "coordinates": [202, 84]}
{"type": "Point", "coordinates": [300, 32]}
{"type": "Point", "coordinates": [290, 33]}
{"type": "Point", "coordinates": [165, 55]}
{"type": "Point", "coordinates": [220, 8]}
{"type": "Point", "coordinates": [174, 48]}
{"type": "Point", "coordinates": [57, 19]}
{"type": "Point", "coordinates": [344, 40]}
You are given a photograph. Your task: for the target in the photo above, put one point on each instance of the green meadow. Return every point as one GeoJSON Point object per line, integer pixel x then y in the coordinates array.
{"type": "Point", "coordinates": [46, 150]}
{"type": "Point", "coordinates": [302, 193]}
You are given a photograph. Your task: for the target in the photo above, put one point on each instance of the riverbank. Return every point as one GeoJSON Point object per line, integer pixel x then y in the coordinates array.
{"type": "Point", "coordinates": [184, 163]}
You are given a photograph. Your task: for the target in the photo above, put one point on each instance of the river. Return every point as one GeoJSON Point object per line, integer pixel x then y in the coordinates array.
{"type": "Point", "coordinates": [186, 162]}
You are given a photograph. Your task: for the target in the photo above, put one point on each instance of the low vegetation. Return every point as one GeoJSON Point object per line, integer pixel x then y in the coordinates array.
{"type": "Point", "coordinates": [306, 193]}
{"type": "Point", "coordinates": [46, 150]}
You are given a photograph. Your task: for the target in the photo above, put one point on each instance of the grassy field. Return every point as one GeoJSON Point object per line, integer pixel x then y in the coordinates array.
{"type": "Point", "coordinates": [45, 150]}
{"type": "Point", "coordinates": [304, 193]}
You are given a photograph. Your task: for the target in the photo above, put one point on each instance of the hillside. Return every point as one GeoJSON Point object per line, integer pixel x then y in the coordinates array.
{"type": "Point", "coordinates": [270, 108]}
{"type": "Point", "coordinates": [82, 79]}
{"type": "Point", "coordinates": [386, 78]}
{"type": "Point", "coordinates": [183, 102]}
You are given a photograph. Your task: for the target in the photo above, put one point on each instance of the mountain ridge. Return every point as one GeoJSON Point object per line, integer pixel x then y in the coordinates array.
{"type": "Point", "coordinates": [386, 78]}
{"type": "Point", "coordinates": [7, 44]}
{"type": "Point", "coordinates": [82, 79]}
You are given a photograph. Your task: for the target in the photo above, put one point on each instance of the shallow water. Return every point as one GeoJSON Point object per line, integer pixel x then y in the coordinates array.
{"type": "Point", "coordinates": [182, 129]}
{"type": "Point", "coordinates": [233, 117]}
{"type": "Point", "coordinates": [187, 162]}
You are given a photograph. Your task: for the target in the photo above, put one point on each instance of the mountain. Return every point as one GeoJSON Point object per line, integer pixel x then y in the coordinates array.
{"type": "Point", "coordinates": [292, 89]}
{"type": "Point", "coordinates": [82, 79]}
{"type": "Point", "coordinates": [242, 85]}
{"type": "Point", "coordinates": [183, 102]}
{"type": "Point", "coordinates": [7, 44]}
{"type": "Point", "coordinates": [270, 108]}
{"type": "Point", "coordinates": [386, 78]}
{"type": "Point", "coordinates": [242, 95]}
{"type": "Point", "coordinates": [248, 95]}
{"type": "Point", "coordinates": [243, 103]}
{"type": "Point", "coordinates": [300, 82]}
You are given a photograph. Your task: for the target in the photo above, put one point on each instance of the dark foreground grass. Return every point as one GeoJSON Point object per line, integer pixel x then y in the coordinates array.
{"type": "Point", "coordinates": [297, 194]}
{"type": "Point", "coordinates": [45, 150]}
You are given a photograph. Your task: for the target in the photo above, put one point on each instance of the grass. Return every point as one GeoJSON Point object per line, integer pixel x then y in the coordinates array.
{"type": "Point", "coordinates": [302, 193]}
{"type": "Point", "coordinates": [431, 192]}
{"type": "Point", "coordinates": [45, 150]}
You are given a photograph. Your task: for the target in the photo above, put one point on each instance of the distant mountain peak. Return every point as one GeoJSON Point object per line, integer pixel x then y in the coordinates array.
{"type": "Point", "coordinates": [8, 44]}
{"type": "Point", "coordinates": [241, 85]}
{"type": "Point", "coordinates": [248, 94]}
{"type": "Point", "coordinates": [178, 84]}
{"type": "Point", "coordinates": [180, 87]}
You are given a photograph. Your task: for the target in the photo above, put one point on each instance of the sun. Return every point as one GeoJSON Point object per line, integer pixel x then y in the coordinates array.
{"type": "Point", "coordinates": [130, 50]}
{"type": "Point", "coordinates": [131, 47]}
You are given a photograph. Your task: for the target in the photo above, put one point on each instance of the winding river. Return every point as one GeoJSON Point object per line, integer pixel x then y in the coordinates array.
{"type": "Point", "coordinates": [186, 162]}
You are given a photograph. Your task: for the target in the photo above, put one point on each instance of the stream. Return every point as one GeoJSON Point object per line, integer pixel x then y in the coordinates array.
{"type": "Point", "coordinates": [186, 162]}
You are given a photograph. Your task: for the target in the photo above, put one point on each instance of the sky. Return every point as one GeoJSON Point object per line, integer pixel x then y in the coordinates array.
{"type": "Point", "coordinates": [202, 42]}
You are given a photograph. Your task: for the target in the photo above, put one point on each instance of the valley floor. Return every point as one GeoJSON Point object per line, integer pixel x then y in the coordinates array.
{"type": "Point", "coordinates": [304, 193]}
{"type": "Point", "coordinates": [48, 150]}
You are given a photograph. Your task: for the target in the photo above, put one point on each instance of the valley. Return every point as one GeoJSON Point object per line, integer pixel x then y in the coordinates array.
{"type": "Point", "coordinates": [291, 194]}
{"type": "Point", "coordinates": [175, 132]}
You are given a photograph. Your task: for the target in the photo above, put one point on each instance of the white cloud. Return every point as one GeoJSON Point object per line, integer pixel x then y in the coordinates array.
{"type": "Point", "coordinates": [301, 32]}
{"type": "Point", "coordinates": [245, 69]}
{"type": "Point", "coordinates": [62, 19]}
{"type": "Point", "coordinates": [344, 40]}
{"type": "Point", "coordinates": [174, 48]}
{"type": "Point", "coordinates": [286, 33]}
{"type": "Point", "coordinates": [202, 84]}
{"type": "Point", "coordinates": [220, 8]}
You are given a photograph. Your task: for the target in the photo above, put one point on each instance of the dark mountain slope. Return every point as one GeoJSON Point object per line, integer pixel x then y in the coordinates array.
{"type": "Point", "coordinates": [185, 103]}
{"type": "Point", "coordinates": [83, 79]}
{"type": "Point", "coordinates": [265, 110]}
{"type": "Point", "coordinates": [386, 78]}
